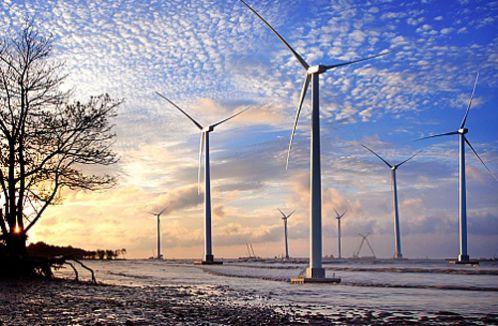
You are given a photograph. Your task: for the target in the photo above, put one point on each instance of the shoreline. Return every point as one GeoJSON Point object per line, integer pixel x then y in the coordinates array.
{"type": "Point", "coordinates": [63, 302]}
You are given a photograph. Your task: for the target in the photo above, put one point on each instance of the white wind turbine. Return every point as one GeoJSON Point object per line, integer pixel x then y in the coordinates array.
{"type": "Point", "coordinates": [315, 269]}
{"type": "Point", "coordinates": [463, 257]}
{"type": "Point", "coordinates": [394, 168]}
{"type": "Point", "coordinates": [338, 217]}
{"type": "Point", "coordinates": [158, 216]}
{"type": "Point", "coordinates": [285, 218]}
{"type": "Point", "coordinates": [204, 146]}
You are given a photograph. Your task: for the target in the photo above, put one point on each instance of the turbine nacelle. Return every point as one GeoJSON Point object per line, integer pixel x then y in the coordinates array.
{"type": "Point", "coordinates": [318, 69]}
{"type": "Point", "coordinates": [285, 217]}
{"type": "Point", "coordinates": [207, 129]}
{"type": "Point", "coordinates": [339, 216]}
{"type": "Point", "coordinates": [463, 131]}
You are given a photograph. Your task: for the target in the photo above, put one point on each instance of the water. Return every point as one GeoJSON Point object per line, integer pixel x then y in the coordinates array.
{"type": "Point", "coordinates": [413, 285]}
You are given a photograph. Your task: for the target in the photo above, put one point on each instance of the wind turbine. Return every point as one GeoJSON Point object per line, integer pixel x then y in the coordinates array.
{"type": "Point", "coordinates": [338, 217]}
{"type": "Point", "coordinates": [204, 146]}
{"type": "Point", "coordinates": [285, 218]}
{"type": "Point", "coordinates": [463, 257]}
{"type": "Point", "coordinates": [364, 238]}
{"type": "Point", "coordinates": [158, 216]}
{"type": "Point", "coordinates": [394, 168]}
{"type": "Point", "coordinates": [315, 269]}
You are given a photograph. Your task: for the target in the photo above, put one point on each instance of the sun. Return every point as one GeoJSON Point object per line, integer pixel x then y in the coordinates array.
{"type": "Point", "coordinates": [17, 229]}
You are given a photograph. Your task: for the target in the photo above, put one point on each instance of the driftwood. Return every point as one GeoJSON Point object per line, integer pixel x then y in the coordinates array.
{"type": "Point", "coordinates": [74, 269]}
{"type": "Point", "coordinates": [94, 280]}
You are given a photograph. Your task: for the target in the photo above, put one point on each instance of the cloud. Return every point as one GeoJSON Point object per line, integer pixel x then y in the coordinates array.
{"type": "Point", "coordinates": [179, 199]}
{"type": "Point", "coordinates": [216, 58]}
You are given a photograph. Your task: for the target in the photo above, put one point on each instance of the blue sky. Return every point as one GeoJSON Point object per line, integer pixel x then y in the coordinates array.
{"type": "Point", "coordinates": [215, 57]}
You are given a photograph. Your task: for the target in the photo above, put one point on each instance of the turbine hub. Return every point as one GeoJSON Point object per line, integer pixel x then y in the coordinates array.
{"type": "Point", "coordinates": [394, 167]}
{"type": "Point", "coordinates": [463, 131]}
{"type": "Point", "coordinates": [207, 129]}
{"type": "Point", "coordinates": [318, 69]}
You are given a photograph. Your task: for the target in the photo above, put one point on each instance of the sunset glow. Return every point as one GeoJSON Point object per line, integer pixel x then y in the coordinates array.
{"type": "Point", "coordinates": [214, 58]}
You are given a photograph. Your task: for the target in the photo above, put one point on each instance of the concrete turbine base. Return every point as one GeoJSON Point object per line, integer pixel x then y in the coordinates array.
{"type": "Point", "coordinates": [303, 280]}
{"type": "Point", "coordinates": [463, 258]}
{"type": "Point", "coordinates": [209, 260]}
{"type": "Point", "coordinates": [463, 261]}
{"type": "Point", "coordinates": [314, 275]}
{"type": "Point", "coordinates": [205, 262]}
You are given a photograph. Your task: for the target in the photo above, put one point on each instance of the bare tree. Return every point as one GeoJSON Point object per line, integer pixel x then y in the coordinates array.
{"type": "Point", "coordinates": [47, 141]}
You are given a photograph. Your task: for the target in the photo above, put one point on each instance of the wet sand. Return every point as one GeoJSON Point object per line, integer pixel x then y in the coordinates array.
{"type": "Point", "coordinates": [71, 303]}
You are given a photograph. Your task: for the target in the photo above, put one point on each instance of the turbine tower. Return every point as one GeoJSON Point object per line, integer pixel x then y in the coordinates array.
{"type": "Point", "coordinates": [204, 146]}
{"type": "Point", "coordinates": [285, 218]}
{"type": "Point", "coordinates": [315, 269]}
{"type": "Point", "coordinates": [463, 257]}
{"type": "Point", "coordinates": [394, 168]}
{"type": "Point", "coordinates": [338, 217]}
{"type": "Point", "coordinates": [158, 216]}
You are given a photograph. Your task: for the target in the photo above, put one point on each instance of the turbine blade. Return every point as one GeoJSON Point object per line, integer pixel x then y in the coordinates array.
{"type": "Point", "coordinates": [282, 213]}
{"type": "Point", "coordinates": [400, 164]}
{"type": "Point", "coordinates": [354, 61]}
{"type": "Point", "coordinates": [344, 213]}
{"type": "Point", "coordinates": [291, 213]}
{"type": "Point", "coordinates": [296, 119]}
{"type": "Point", "coordinates": [438, 135]}
{"type": "Point", "coordinates": [296, 55]}
{"type": "Point", "coordinates": [231, 117]}
{"type": "Point", "coordinates": [480, 159]}
{"type": "Point", "coordinates": [162, 211]}
{"type": "Point", "coordinates": [336, 213]}
{"type": "Point", "coordinates": [201, 149]}
{"type": "Point", "coordinates": [185, 113]}
{"type": "Point", "coordinates": [470, 102]}
{"type": "Point", "coordinates": [387, 163]}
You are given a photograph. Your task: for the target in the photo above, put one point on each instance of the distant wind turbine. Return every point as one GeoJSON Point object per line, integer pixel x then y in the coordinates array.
{"type": "Point", "coordinates": [463, 257]}
{"type": "Point", "coordinates": [394, 168]}
{"type": "Point", "coordinates": [285, 218]}
{"type": "Point", "coordinates": [338, 217]}
{"type": "Point", "coordinates": [364, 238]}
{"type": "Point", "coordinates": [315, 269]}
{"type": "Point", "coordinates": [158, 216]}
{"type": "Point", "coordinates": [204, 146]}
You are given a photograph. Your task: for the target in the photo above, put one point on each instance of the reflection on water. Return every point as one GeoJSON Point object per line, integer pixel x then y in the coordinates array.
{"type": "Point", "coordinates": [404, 285]}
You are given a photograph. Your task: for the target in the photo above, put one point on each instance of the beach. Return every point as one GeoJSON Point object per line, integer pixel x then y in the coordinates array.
{"type": "Point", "coordinates": [72, 303]}
{"type": "Point", "coordinates": [173, 293]}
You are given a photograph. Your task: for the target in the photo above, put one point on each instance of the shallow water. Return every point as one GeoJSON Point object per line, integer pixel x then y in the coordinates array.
{"type": "Point", "coordinates": [417, 286]}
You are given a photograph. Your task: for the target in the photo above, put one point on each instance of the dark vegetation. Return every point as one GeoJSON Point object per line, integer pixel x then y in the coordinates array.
{"type": "Point", "coordinates": [48, 141]}
{"type": "Point", "coordinates": [43, 250]}
{"type": "Point", "coordinates": [42, 257]}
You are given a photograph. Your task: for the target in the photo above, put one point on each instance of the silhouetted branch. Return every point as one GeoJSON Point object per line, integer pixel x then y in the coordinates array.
{"type": "Point", "coordinates": [74, 269]}
{"type": "Point", "coordinates": [94, 280]}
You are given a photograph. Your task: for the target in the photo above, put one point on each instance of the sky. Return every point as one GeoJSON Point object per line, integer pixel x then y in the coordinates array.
{"type": "Point", "coordinates": [214, 58]}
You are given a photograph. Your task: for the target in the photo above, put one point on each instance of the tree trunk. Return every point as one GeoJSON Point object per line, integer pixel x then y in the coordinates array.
{"type": "Point", "coordinates": [16, 244]}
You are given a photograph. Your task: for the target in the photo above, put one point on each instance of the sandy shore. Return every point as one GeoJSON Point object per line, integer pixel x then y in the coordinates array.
{"type": "Point", "coordinates": [71, 303]}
